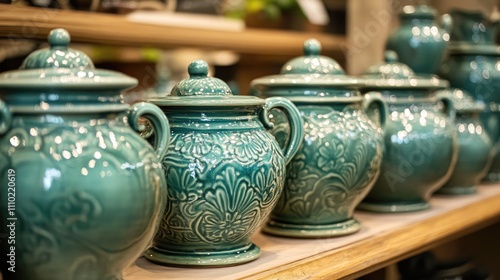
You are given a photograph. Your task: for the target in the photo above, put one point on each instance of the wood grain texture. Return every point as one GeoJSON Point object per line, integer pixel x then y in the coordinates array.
{"type": "Point", "coordinates": [19, 23]}
{"type": "Point", "coordinates": [383, 240]}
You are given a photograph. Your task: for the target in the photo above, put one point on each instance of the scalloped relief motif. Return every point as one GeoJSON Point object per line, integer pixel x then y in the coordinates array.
{"type": "Point", "coordinates": [222, 186]}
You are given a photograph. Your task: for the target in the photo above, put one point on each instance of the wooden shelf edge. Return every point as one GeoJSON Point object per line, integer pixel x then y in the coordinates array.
{"type": "Point", "coordinates": [368, 255]}
{"type": "Point", "coordinates": [21, 23]}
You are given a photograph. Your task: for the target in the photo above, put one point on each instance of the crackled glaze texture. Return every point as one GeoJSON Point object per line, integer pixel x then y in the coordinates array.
{"type": "Point", "coordinates": [419, 155]}
{"type": "Point", "coordinates": [334, 169]}
{"type": "Point", "coordinates": [89, 191]}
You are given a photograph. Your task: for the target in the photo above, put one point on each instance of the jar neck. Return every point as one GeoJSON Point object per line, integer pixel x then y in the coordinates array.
{"type": "Point", "coordinates": [216, 118]}
{"type": "Point", "coordinates": [70, 101]}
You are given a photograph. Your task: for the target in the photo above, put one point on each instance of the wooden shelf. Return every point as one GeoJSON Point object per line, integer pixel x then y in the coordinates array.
{"type": "Point", "coordinates": [383, 240]}
{"type": "Point", "coordinates": [19, 22]}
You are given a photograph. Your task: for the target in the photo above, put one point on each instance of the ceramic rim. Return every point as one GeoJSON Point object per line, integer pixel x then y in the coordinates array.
{"type": "Point", "coordinates": [312, 231]}
{"type": "Point", "coordinates": [203, 259]}
{"type": "Point", "coordinates": [395, 207]}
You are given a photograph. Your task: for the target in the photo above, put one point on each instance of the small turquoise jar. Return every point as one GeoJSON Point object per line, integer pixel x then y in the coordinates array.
{"type": "Point", "coordinates": [225, 171]}
{"type": "Point", "coordinates": [474, 146]}
{"type": "Point", "coordinates": [476, 69]}
{"type": "Point", "coordinates": [473, 27]}
{"type": "Point", "coordinates": [419, 41]}
{"type": "Point", "coordinates": [341, 150]}
{"type": "Point", "coordinates": [419, 138]}
{"type": "Point", "coordinates": [89, 191]}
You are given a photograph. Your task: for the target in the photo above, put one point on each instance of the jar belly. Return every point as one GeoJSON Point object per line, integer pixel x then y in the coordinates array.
{"type": "Point", "coordinates": [473, 156]}
{"type": "Point", "coordinates": [89, 198]}
{"type": "Point", "coordinates": [334, 169]}
{"type": "Point", "coordinates": [417, 160]}
{"type": "Point", "coordinates": [222, 187]}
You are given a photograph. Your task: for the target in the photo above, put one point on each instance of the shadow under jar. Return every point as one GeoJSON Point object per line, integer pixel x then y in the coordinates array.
{"type": "Point", "coordinates": [88, 190]}
{"type": "Point", "coordinates": [419, 137]}
{"type": "Point", "coordinates": [340, 155]}
{"type": "Point", "coordinates": [225, 171]}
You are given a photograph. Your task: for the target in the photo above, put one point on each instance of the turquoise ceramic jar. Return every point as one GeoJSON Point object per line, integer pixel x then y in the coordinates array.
{"type": "Point", "coordinates": [474, 146]}
{"type": "Point", "coordinates": [419, 41]}
{"type": "Point", "coordinates": [473, 27]}
{"type": "Point", "coordinates": [341, 150]}
{"type": "Point", "coordinates": [224, 170]}
{"type": "Point", "coordinates": [86, 192]}
{"type": "Point", "coordinates": [419, 137]}
{"type": "Point", "coordinates": [476, 69]}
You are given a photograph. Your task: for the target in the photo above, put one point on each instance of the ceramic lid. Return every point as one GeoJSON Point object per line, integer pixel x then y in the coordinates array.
{"type": "Point", "coordinates": [393, 74]}
{"type": "Point", "coordinates": [457, 48]}
{"type": "Point", "coordinates": [60, 67]}
{"type": "Point", "coordinates": [419, 11]}
{"type": "Point", "coordinates": [463, 102]}
{"type": "Point", "coordinates": [199, 90]}
{"type": "Point", "coordinates": [309, 78]}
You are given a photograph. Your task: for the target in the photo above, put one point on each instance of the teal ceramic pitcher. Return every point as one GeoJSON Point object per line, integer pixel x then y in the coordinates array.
{"type": "Point", "coordinates": [82, 192]}
{"type": "Point", "coordinates": [419, 137]}
{"type": "Point", "coordinates": [474, 145]}
{"type": "Point", "coordinates": [225, 172]}
{"type": "Point", "coordinates": [473, 27]}
{"type": "Point", "coordinates": [476, 69]}
{"type": "Point", "coordinates": [340, 155]}
{"type": "Point", "coordinates": [419, 41]}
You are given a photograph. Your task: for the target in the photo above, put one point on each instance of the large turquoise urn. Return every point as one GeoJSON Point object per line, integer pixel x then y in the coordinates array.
{"type": "Point", "coordinates": [419, 41]}
{"type": "Point", "coordinates": [419, 137]}
{"type": "Point", "coordinates": [225, 171]}
{"type": "Point", "coordinates": [341, 150]}
{"type": "Point", "coordinates": [82, 193]}
{"type": "Point", "coordinates": [474, 145]}
{"type": "Point", "coordinates": [476, 69]}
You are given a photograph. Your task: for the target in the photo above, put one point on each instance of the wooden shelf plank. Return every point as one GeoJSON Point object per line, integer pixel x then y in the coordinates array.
{"type": "Point", "coordinates": [18, 22]}
{"type": "Point", "coordinates": [383, 240]}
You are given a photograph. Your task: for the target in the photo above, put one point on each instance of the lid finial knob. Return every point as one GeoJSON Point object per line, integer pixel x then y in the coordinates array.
{"type": "Point", "coordinates": [198, 68]}
{"type": "Point", "coordinates": [391, 56]}
{"type": "Point", "coordinates": [59, 38]}
{"type": "Point", "coordinates": [312, 47]}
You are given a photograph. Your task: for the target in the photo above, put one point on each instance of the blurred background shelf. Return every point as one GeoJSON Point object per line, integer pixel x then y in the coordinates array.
{"type": "Point", "coordinates": [17, 23]}
{"type": "Point", "coordinates": [383, 240]}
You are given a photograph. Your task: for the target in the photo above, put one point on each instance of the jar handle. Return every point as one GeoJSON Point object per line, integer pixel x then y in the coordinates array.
{"type": "Point", "coordinates": [294, 119]}
{"type": "Point", "coordinates": [158, 121]}
{"type": "Point", "coordinates": [446, 22]}
{"type": "Point", "coordinates": [446, 97]}
{"type": "Point", "coordinates": [377, 98]}
{"type": "Point", "coordinates": [5, 118]}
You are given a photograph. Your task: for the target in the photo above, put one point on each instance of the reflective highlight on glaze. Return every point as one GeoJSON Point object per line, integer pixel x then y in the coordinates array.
{"type": "Point", "coordinates": [340, 154]}
{"type": "Point", "coordinates": [419, 41]}
{"type": "Point", "coordinates": [473, 27]}
{"type": "Point", "coordinates": [89, 190]}
{"type": "Point", "coordinates": [224, 170]}
{"type": "Point", "coordinates": [419, 155]}
{"type": "Point", "coordinates": [473, 146]}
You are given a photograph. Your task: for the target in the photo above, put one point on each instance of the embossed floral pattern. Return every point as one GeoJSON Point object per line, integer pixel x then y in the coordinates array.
{"type": "Point", "coordinates": [221, 198]}
{"type": "Point", "coordinates": [339, 159]}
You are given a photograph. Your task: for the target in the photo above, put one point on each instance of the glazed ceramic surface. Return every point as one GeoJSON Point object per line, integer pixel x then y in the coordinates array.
{"type": "Point", "coordinates": [341, 150]}
{"type": "Point", "coordinates": [89, 191]}
{"type": "Point", "coordinates": [473, 27]}
{"type": "Point", "coordinates": [420, 139]}
{"type": "Point", "coordinates": [419, 41]}
{"type": "Point", "coordinates": [474, 146]}
{"type": "Point", "coordinates": [476, 69]}
{"type": "Point", "coordinates": [225, 172]}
